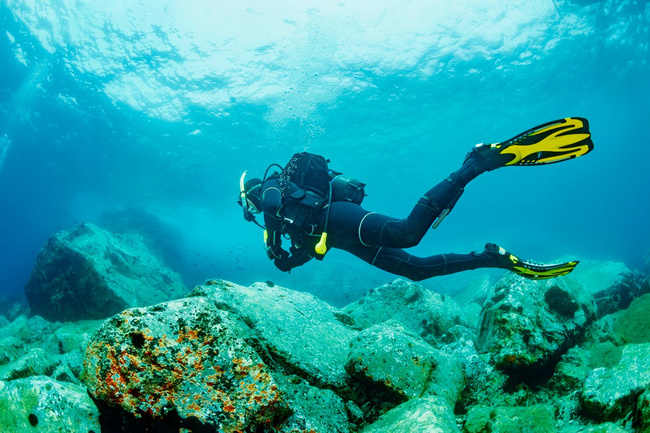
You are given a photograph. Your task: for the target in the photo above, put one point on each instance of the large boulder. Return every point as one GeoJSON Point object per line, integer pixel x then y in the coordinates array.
{"type": "Point", "coordinates": [164, 240]}
{"type": "Point", "coordinates": [434, 317]}
{"type": "Point", "coordinates": [527, 325]}
{"type": "Point", "coordinates": [613, 285]}
{"type": "Point", "coordinates": [609, 394]}
{"type": "Point", "coordinates": [39, 403]}
{"type": "Point", "coordinates": [303, 334]}
{"type": "Point", "coordinates": [179, 364]}
{"type": "Point", "coordinates": [89, 273]}
{"type": "Point", "coordinates": [390, 361]}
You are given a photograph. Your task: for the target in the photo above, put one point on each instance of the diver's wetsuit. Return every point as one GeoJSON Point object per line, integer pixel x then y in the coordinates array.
{"type": "Point", "coordinates": [375, 238]}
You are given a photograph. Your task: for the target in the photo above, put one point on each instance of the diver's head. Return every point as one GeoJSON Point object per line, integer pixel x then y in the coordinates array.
{"type": "Point", "coordinates": [250, 197]}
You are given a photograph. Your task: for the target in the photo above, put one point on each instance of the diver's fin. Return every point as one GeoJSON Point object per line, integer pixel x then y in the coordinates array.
{"type": "Point", "coordinates": [551, 142]}
{"type": "Point", "coordinates": [527, 269]}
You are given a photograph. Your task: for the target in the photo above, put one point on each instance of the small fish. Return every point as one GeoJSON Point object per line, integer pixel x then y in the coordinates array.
{"type": "Point", "coordinates": [270, 283]}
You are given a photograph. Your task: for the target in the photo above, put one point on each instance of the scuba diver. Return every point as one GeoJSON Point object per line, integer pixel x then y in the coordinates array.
{"type": "Point", "coordinates": [319, 209]}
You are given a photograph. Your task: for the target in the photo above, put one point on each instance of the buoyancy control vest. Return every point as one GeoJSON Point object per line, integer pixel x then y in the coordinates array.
{"type": "Point", "coordinates": [307, 186]}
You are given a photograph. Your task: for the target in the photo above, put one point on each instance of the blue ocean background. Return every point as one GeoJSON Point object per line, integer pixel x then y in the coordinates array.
{"type": "Point", "coordinates": [155, 108]}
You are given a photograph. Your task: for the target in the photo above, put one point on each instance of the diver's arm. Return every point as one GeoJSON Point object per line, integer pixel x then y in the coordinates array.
{"type": "Point", "coordinates": [271, 205]}
{"type": "Point", "coordinates": [273, 238]}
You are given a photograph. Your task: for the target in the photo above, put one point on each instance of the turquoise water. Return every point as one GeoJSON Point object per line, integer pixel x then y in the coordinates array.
{"type": "Point", "coordinates": [159, 106]}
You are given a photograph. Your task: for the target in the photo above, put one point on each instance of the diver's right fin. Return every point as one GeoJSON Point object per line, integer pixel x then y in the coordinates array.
{"type": "Point", "coordinates": [528, 269]}
{"type": "Point", "coordinates": [549, 143]}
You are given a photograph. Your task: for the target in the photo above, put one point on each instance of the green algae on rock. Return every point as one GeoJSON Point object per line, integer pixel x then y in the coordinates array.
{"type": "Point", "coordinates": [390, 360]}
{"type": "Point", "coordinates": [633, 324]}
{"type": "Point", "coordinates": [430, 315]}
{"type": "Point", "coordinates": [422, 415]}
{"type": "Point", "coordinates": [527, 325]}
{"type": "Point", "coordinates": [180, 363]}
{"type": "Point", "coordinates": [314, 409]}
{"type": "Point", "coordinates": [42, 402]}
{"type": "Point", "coordinates": [536, 418]}
{"type": "Point", "coordinates": [611, 393]}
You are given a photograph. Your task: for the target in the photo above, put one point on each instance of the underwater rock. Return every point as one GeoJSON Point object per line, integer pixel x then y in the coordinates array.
{"type": "Point", "coordinates": [11, 348]}
{"type": "Point", "coordinates": [18, 339]}
{"type": "Point", "coordinates": [314, 409]}
{"type": "Point", "coordinates": [572, 370]}
{"type": "Point", "coordinates": [613, 285]}
{"type": "Point", "coordinates": [42, 404]}
{"type": "Point", "coordinates": [36, 362]}
{"type": "Point", "coordinates": [527, 325]}
{"type": "Point", "coordinates": [305, 335]}
{"type": "Point", "coordinates": [30, 330]}
{"type": "Point", "coordinates": [633, 324]}
{"type": "Point", "coordinates": [484, 384]}
{"type": "Point", "coordinates": [536, 418]}
{"type": "Point", "coordinates": [643, 406]}
{"type": "Point", "coordinates": [73, 336]}
{"type": "Point", "coordinates": [607, 427]}
{"type": "Point", "coordinates": [179, 364]}
{"type": "Point", "coordinates": [432, 316]}
{"type": "Point", "coordinates": [422, 415]}
{"type": "Point", "coordinates": [164, 240]}
{"type": "Point", "coordinates": [10, 307]}
{"type": "Point", "coordinates": [392, 364]}
{"type": "Point", "coordinates": [629, 326]}
{"type": "Point", "coordinates": [33, 346]}
{"type": "Point", "coordinates": [611, 393]}
{"type": "Point", "coordinates": [89, 273]}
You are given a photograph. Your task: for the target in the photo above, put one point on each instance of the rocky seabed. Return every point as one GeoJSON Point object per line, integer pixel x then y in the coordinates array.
{"type": "Point", "coordinates": [564, 355]}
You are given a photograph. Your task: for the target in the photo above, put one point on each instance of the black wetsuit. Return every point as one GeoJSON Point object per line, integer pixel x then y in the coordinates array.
{"type": "Point", "coordinates": [375, 238]}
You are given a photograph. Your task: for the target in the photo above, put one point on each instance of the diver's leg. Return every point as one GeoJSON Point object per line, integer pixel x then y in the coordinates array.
{"type": "Point", "coordinates": [373, 229]}
{"type": "Point", "coordinates": [389, 232]}
{"type": "Point", "coordinates": [399, 262]}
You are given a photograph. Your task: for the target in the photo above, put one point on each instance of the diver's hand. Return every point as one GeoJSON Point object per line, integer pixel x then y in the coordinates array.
{"type": "Point", "coordinates": [283, 264]}
{"type": "Point", "coordinates": [276, 252]}
{"type": "Point", "coordinates": [298, 257]}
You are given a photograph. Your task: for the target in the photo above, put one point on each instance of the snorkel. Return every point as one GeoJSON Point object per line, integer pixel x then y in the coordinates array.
{"type": "Point", "coordinates": [245, 203]}
{"type": "Point", "coordinates": [248, 216]}
{"type": "Point", "coordinates": [242, 190]}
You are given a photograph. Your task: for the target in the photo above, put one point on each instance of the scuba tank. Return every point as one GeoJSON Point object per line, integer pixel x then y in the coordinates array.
{"type": "Point", "coordinates": [347, 189]}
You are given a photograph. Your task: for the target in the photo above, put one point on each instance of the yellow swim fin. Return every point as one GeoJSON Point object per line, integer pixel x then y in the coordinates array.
{"type": "Point", "coordinates": [526, 268]}
{"type": "Point", "coordinates": [549, 143]}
